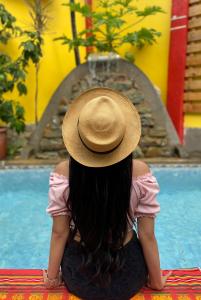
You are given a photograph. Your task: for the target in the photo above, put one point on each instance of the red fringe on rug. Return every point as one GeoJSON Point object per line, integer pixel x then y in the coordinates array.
{"type": "Point", "coordinates": [28, 285]}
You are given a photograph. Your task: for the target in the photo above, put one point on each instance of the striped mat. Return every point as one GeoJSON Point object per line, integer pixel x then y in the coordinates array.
{"type": "Point", "coordinates": [28, 285]}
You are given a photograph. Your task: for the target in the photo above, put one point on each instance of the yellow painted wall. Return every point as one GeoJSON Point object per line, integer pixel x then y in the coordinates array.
{"type": "Point", "coordinates": [153, 60]}
{"type": "Point", "coordinates": [192, 120]}
{"type": "Point", "coordinates": [57, 62]}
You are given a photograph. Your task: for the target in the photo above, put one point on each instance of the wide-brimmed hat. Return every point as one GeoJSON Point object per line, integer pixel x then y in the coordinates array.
{"type": "Point", "coordinates": [101, 127]}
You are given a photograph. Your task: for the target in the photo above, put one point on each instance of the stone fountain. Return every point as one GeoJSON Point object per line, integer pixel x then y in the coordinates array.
{"type": "Point", "coordinates": [159, 137]}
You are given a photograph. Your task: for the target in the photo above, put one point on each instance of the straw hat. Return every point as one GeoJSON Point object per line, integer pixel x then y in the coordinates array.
{"type": "Point", "coordinates": [101, 127]}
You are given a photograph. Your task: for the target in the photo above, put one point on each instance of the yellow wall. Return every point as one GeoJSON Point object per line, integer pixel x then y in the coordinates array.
{"type": "Point", "coordinates": [57, 62]}
{"type": "Point", "coordinates": [153, 60]}
{"type": "Point", "coordinates": [192, 121]}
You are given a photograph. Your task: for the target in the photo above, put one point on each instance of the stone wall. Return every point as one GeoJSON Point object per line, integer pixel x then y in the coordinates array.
{"type": "Point", "coordinates": [154, 140]}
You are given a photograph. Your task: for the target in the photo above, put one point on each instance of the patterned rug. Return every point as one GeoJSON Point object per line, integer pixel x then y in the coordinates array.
{"type": "Point", "coordinates": [28, 285]}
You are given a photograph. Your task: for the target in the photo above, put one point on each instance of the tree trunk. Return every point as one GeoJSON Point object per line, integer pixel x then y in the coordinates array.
{"type": "Point", "coordinates": [74, 34]}
{"type": "Point", "coordinates": [36, 95]}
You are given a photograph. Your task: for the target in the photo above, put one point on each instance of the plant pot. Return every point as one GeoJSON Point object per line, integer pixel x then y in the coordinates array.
{"type": "Point", "coordinates": [3, 142]}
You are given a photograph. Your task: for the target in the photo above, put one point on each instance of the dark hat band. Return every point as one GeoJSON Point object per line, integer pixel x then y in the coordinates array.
{"type": "Point", "coordinates": [97, 152]}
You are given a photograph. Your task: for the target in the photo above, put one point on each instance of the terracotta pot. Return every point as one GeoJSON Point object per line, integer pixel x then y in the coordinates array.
{"type": "Point", "coordinates": [3, 142]}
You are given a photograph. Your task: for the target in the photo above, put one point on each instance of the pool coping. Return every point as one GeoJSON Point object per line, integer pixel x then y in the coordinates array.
{"type": "Point", "coordinates": [160, 162]}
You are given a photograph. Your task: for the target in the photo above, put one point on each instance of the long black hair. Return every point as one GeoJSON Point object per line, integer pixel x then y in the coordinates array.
{"type": "Point", "coordinates": [99, 203]}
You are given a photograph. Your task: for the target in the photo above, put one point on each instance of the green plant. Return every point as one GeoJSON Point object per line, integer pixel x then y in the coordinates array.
{"type": "Point", "coordinates": [32, 47]}
{"type": "Point", "coordinates": [13, 71]}
{"type": "Point", "coordinates": [12, 75]}
{"type": "Point", "coordinates": [110, 29]}
{"type": "Point", "coordinates": [14, 149]}
{"type": "Point", "coordinates": [74, 33]}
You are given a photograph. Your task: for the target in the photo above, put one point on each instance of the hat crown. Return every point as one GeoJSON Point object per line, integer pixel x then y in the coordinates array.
{"type": "Point", "coordinates": [101, 127]}
{"type": "Point", "coordinates": [101, 124]}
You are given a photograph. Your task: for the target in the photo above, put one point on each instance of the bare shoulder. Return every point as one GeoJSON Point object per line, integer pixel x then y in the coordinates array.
{"type": "Point", "coordinates": [140, 168]}
{"type": "Point", "coordinates": [62, 168]}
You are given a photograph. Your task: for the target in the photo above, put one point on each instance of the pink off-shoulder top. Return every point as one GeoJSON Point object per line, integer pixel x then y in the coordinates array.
{"type": "Point", "coordinates": [143, 200]}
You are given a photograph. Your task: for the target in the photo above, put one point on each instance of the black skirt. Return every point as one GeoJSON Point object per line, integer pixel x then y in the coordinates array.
{"type": "Point", "coordinates": [125, 283]}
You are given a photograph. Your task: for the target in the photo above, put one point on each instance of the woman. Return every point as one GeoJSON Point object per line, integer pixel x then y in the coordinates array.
{"type": "Point", "coordinates": [97, 198]}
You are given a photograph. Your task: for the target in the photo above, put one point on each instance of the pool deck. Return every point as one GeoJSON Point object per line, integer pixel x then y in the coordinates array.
{"type": "Point", "coordinates": [37, 163]}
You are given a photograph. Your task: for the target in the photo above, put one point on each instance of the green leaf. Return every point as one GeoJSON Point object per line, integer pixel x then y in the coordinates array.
{"type": "Point", "coordinates": [28, 46]}
{"type": "Point", "coordinates": [109, 22]}
{"type": "Point", "coordinates": [2, 77]}
{"type": "Point", "coordinates": [149, 11]}
{"type": "Point", "coordinates": [6, 18]}
{"type": "Point", "coordinates": [114, 3]}
{"type": "Point", "coordinates": [31, 51]}
{"type": "Point", "coordinates": [4, 59]}
{"type": "Point", "coordinates": [6, 110]}
{"type": "Point", "coordinates": [19, 111]}
{"type": "Point", "coordinates": [60, 38]}
{"type": "Point", "coordinates": [129, 56]}
{"type": "Point", "coordinates": [19, 74]}
{"type": "Point", "coordinates": [22, 89]}
{"type": "Point", "coordinates": [141, 37]}
{"type": "Point", "coordinates": [7, 25]}
{"type": "Point", "coordinates": [85, 10]}
{"type": "Point", "coordinates": [12, 74]}
{"type": "Point", "coordinates": [8, 86]}
{"type": "Point", "coordinates": [12, 114]}
{"type": "Point", "coordinates": [13, 149]}
{"type": "Point", "coordinates": [18, 125]}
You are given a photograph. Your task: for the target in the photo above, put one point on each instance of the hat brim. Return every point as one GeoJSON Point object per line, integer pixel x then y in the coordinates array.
{"type": "Point", "coordinates": [72, 140]}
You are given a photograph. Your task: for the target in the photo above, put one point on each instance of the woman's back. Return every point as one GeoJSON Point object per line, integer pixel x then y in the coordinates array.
{"type": "Point", "coordinates": [139, 171]}
{"type": "Point", "coordinates": [96, 199]}
{"type": "Point", "coordinates": [107, 258]}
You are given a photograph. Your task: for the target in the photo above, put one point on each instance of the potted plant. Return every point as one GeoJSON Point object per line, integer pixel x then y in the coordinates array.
{"type": "Point", "coordinates": [11, 114]}
{"type": "Point", "coordinates": [12, 75]}
{"type": "Point", "coordinates": [13, 72]}
{"type": "Point", "coordinates": [110, 29]}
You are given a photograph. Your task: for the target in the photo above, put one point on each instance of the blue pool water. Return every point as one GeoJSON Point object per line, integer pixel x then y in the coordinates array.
{"type": "Point", "coordinates": [25, 227]}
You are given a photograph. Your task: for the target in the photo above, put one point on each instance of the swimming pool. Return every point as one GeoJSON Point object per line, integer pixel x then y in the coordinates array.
{"type": "Point", "coordinates": [25, 226]}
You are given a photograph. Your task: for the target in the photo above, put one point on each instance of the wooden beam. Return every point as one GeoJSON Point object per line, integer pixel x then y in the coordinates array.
{"type": "Point", "coordinates": [193, 60]}
{"type": "Point", "coordinates": [194, 1]}
{"type": "Point", "coordinates": [192, 108]}
{"type": "Point", "coordinates": [193, 85]}
{"type": "Point", "coordinates": [194, 22]}
{"type": "Point", "coordinates": [195, 10]}
{"type": "Point", "coordinates": [193, 72]}
{"type": "Point", "coordinates": [194, 47]}
{"type": "Point", "coordinates": [194, 35]}
{"type": "Point", "coordinates": [190, 96]}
